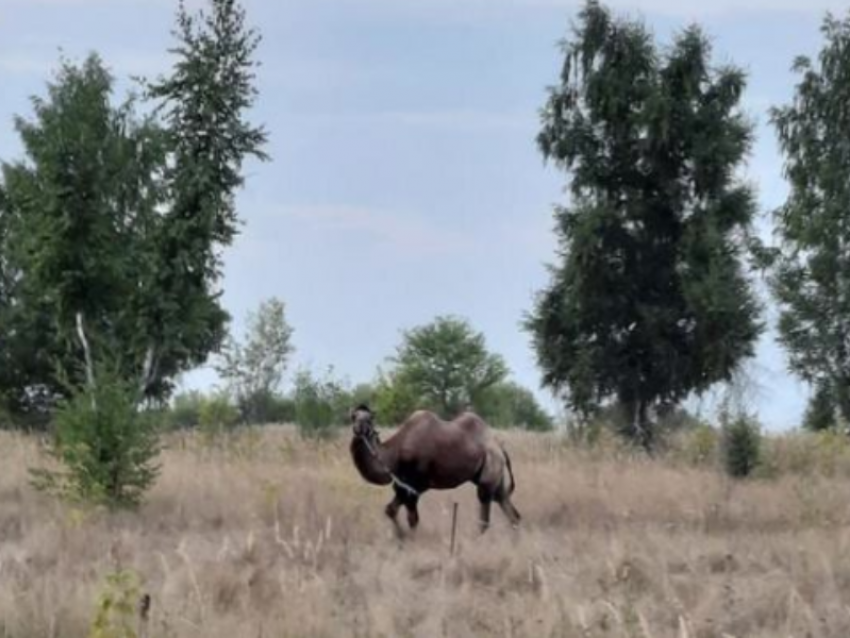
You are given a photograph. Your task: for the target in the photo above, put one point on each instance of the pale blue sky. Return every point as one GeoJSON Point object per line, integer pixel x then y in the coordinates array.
{"type": "Point", "coordinates": [405, 181]}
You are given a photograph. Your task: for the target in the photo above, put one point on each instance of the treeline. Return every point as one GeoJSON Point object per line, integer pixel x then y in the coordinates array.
{"type": "Point", "coordinates": [443, 366]}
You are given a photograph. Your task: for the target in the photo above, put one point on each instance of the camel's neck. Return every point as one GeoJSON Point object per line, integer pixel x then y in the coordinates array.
{"type": "Point", "coordinates": [371, 460]}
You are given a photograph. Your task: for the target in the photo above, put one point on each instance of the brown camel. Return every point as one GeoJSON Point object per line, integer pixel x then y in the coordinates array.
{"type": "Point", "coordinates": [429, 453]}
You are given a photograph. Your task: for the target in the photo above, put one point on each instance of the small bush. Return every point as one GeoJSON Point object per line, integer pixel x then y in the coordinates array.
{"type": "Point", "coordinates": [115, 612]}
{"type": "Point", "coordinates": [280, 410]}
{"type": "Point", "coordinates": [394, 400]}
{"type": "Point", "coordinates": [363, 393]}
{"type": "Point", "coordinates": [820, 412]}
{"type": "Point", "coordinates": [508, 404]}
{"type": "Point", "coordinates": [185, 411]}
{"type": "Point", "coordinates": [696, 446]}
{"type": "Point", "coordinates": [320, 404]}
{"type": "Point", "coordinates": [217, 414]}
{"type": "Point", "coordinates": [740, 445]}
{"type": "Point", "coordinates": [106, 443]}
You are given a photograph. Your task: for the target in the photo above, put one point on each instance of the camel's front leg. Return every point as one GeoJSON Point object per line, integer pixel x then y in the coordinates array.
{"type": "Point", "coordinates": [392, 512]}
{"type": "Point", "coordinates": [412, 512]}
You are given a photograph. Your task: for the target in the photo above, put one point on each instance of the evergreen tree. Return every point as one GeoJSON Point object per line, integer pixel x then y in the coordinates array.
{"type": "Point", "coordinates": [811, 280]}
{"type": "Point", "coordinates": [649, 301]}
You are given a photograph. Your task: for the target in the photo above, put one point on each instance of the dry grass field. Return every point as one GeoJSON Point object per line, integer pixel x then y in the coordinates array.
{"type": "Point", "coordinates": [268, 535]}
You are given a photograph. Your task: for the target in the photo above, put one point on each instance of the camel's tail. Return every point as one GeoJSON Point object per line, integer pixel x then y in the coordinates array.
{"type": "Point", "coordinates": [510, 470]}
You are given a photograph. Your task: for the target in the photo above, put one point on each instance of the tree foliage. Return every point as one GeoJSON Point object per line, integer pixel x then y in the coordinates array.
{"type": "Point", "coordinates": [204, 103]}
{"type": "Point", "coordinates": [107, 445]}
{"type": "Point", "coordinates": [507, 404]}
{"type": "Point", "coordinates": [75, 216]}
{"type": "Point", "coordinates": [120, 218]}
{"type": "Point", "coordinates": [321, 403]}
{"type": "Point", "coordinates": [253, 369]}
{"type": "Point", "coordinates": [649, 301]}
{"type": "Point", "coordinates": [811, 280]}
{"type": "Point", "coordinates": [447, 366]}
{"type": "Point", "coordinates": [740, 445]}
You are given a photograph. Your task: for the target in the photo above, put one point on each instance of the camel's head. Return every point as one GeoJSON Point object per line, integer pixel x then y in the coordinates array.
{"type": "Point", "coordinates": [363, 421]}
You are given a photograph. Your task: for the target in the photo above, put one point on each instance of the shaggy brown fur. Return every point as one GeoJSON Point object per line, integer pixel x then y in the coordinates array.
{"type": "Point", "coordinates": [429, 453]}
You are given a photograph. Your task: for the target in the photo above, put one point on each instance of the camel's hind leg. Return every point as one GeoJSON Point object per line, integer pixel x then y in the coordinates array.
{"type": "Point", "coordinates": [503, 498]}
{"type": "Point", "coordinates": [508, 508]}
{"type": "Point", "coordinates": [496, 483]}
{"type": "Point", "coordinates": [485, 498]}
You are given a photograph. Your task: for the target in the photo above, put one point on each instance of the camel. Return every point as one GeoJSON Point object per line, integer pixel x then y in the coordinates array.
{"type": "Point", "coordinates": [429, 453]}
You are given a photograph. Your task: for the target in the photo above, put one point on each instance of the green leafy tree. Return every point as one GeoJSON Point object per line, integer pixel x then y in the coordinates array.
{"type": "Point", "coordinates": [76, 215]}
{"type": "Point", "coordinates": [394, 399]}
{"type": "Point", "coordinates": [118, 221]}
{"type": "Point", "coordinates": [811, 280]}
{"type": "Point", "coordinates": [650, 301]}
{"type": "Point", "coordinates": [508, 404]}
{"type": "Point", "coordinates": [253, 369]}
{"type": "Point", "coordinates": [447, 365]}
{"type": "Point", "coordinates": [204, 102]}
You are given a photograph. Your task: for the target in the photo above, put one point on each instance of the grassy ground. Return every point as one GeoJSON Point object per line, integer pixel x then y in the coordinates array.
{"type": "Point", "coordinates": [267, 535]}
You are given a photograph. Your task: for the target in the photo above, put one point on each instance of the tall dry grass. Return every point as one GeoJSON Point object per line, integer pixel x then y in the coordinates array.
{"type": "Point", "coordinates": [267, 535]}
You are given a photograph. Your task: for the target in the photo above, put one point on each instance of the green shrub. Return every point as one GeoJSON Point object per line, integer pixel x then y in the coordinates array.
{"type": "Point", "coordinates": [107, 445]}
{"type": "Point", "coordinates": [263, 407]}
{"type": "Point", "coordinates": [820, 412]}
{"type": "Point", "coordinates": [363, 393]}
{"type": "Point", "coordinates": [740, 445]}
{"type": "Point", "coordinates": [508, 404]}
{"type": "Point", "coordinates": [320, 404]}
{"type": "Point", "coordinates": [217, 414]}
{"type": "Point", "coordinates": [185, 410]}
{"type": "Point", "coordinates": [694, 446]}
{"type": "Point", "coordinates": [394, 400]}
{"type": "Point", "coordinates": [281, 409]}
{"type": "Point", "coordinates": [116, 609]}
